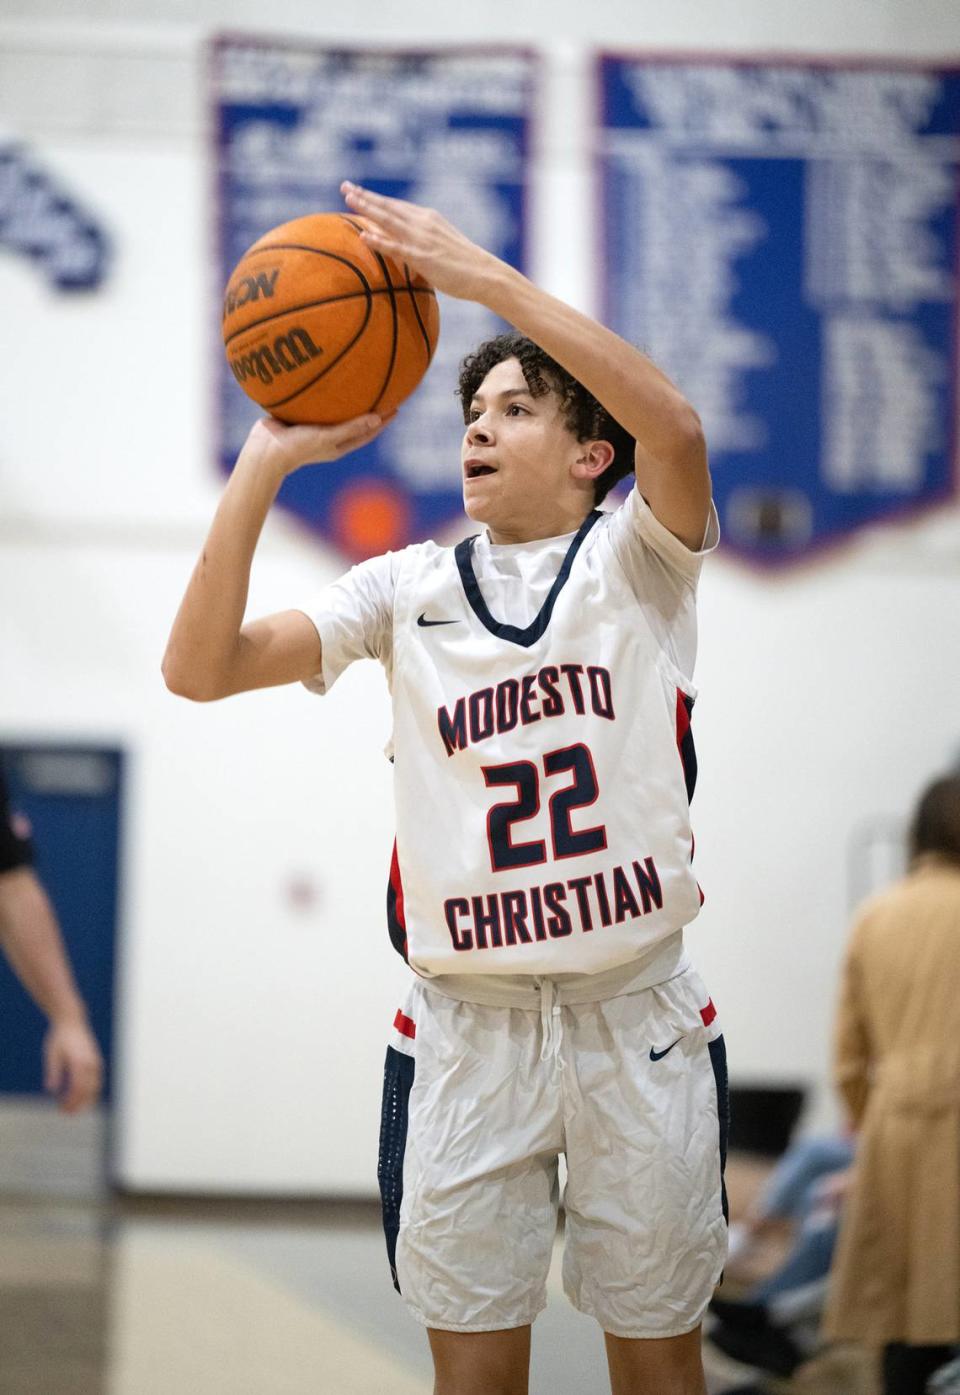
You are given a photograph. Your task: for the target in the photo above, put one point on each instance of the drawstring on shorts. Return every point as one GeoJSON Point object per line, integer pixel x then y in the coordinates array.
{"type": "Point", "coordinates": [551, 1022]}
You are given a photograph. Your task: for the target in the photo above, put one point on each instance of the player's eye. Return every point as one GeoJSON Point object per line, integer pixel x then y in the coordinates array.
{"type": "Point", "coordinates": [515, 407]}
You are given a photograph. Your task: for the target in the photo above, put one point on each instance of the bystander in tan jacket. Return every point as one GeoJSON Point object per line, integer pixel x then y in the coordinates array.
{"type": "Point", "coordinates": [896, 1275]}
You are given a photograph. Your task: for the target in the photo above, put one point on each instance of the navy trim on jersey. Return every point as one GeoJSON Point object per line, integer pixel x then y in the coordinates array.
{"type": "Point", "coordinates": [688, 751]}
{"type": "Point", "coordinates": [526, 637]}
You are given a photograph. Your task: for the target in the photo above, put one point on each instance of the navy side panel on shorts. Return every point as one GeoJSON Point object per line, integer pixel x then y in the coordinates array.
{"type": "Point", "coordinates": [397, 1082]}
{"type": "Point", "coordinates": [718, 1059]}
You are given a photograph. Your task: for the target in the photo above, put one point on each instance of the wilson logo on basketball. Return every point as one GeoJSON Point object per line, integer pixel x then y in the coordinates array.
{"type": "Point", "coordinates": [378, 322]}
{"type": "Point", "coordinates": [250, 288]}
{"type": "Point", "coordinates": [286, 354]}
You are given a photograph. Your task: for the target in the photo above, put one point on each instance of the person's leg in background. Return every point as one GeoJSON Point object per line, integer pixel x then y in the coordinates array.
{"type": "Point", "coordinates": [803, 1163]}
{"type": "Point", "coordinates": [809, 1260]}
{"type": "Point", "coordinates": [775, 1326]}
{"type": "Point", "coordinates": [787, 1194]}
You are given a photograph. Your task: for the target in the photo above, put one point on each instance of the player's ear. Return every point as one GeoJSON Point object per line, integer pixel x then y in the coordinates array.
{"type": "Point", "coordinates": [593, 458]}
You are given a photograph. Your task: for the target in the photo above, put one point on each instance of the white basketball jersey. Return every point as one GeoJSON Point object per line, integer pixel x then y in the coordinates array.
{"type": "Point", "coordinates": [542, 774]}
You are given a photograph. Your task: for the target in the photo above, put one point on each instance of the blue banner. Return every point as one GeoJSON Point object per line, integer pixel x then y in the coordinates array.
{"type": "Point", "coordinates": [447, 128]}
{"type": "Point", "coordinates": [782, 238]}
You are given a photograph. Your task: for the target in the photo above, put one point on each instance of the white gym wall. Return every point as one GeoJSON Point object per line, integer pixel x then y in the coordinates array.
{"type": "Point", "coordinates": [256, 983]}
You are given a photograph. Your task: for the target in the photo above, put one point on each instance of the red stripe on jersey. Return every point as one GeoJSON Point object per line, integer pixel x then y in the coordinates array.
{"type": "Point", "coordinates": [683, 717]}
{"type": "Point", "coordinates": [405, 1025]}
{"type": "Point", "coordinates": [397, 885]}
{"type": "Point", "coordinates": [685, 746]}
{"type": "Point", "coordinates": [708, 1013]}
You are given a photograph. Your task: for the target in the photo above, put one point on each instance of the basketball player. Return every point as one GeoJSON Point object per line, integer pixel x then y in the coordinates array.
{"type": "Point", "coordinates": [33, 946]}
{"type": "Point", "coordinates": [541, 683]}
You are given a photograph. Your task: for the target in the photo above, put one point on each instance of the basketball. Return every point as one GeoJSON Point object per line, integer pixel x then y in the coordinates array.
{"type": "Point", "coordinates": [320, 328]}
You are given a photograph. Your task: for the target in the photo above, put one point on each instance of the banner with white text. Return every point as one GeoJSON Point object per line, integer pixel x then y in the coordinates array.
{"type": "Point", "coordinates": [448, 128]}
{"type": "Point", "coordinates": [782, 238]}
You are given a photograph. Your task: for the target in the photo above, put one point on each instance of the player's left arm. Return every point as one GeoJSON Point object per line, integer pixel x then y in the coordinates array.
{"type": "Point", "coordinates": [671, 454]}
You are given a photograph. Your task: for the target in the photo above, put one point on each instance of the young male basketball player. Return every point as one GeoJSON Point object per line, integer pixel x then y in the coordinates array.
{"type": "Point", "coordinates": [541, 683]}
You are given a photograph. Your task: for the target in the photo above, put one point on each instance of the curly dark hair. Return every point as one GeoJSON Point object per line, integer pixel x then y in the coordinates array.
{"type": "Point", "coordinates": [583, 414]}
{"type": "Point", "coordinates": [936, 822]}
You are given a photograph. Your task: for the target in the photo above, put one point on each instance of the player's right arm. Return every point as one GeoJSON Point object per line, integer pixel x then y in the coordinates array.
{"type": "Point", "coordinates": [211, 653]}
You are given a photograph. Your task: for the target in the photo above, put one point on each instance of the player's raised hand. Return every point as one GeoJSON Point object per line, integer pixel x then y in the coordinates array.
{"type": "Point", "coordinates": [424, 239]}
{"type": "Point", "coordinates": [286, 448]}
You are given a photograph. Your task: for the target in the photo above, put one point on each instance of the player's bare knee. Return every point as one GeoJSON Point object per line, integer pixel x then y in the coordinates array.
{"type": "Point", "coordinates": [665, 1366]}
{"type": "Point", "coordinates": [470, 1384]}
{"type": "Point", "coordinates": [481, 1363]}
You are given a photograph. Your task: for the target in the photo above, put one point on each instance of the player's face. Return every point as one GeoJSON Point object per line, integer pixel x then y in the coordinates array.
{"type": "Point", "coordinates": [517, 454]}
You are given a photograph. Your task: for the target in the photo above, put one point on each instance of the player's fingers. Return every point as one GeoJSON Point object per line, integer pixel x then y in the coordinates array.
{"type": "Point", "coordinates": [354, 428]}
{"type": "Point", "coordinates": [357, 193]}
{"type": "Point", "coordinates": [307, 445]}
{"type": "Point", "coordinates": [376, 239]}
{"type": "Point", "coordinates": [397, 212]}
{"type": "Point", "coordinates": [355, 442]}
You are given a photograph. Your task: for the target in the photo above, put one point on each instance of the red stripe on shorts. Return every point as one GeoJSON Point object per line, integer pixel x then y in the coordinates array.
{"type": "Point", "coordinates": [405, 1025]}
{"type": "Point", "coordinates": [708, 1013]}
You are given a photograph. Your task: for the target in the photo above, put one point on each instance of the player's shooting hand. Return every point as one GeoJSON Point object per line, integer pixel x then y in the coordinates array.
{"type": "Point", "coordinates": [72, 1065]}
{"type": "Point", "coordinates": [424, 239]}
{"type": "Point", "coordinates": [286, 448]}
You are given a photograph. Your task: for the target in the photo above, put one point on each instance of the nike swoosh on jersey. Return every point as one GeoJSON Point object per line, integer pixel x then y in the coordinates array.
{"type": "Point", "coordinates": [659, 1055]}
{"type": "Point", "coordinates": [422, 620]}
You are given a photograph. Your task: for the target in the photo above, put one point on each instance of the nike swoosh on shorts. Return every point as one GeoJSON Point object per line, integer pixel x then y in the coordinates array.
{"type": "Point", "coordinates": [659, 1055]}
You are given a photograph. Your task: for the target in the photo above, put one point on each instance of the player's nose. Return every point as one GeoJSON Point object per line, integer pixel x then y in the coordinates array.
{"type": "Point", "coordinates": [479, 433]}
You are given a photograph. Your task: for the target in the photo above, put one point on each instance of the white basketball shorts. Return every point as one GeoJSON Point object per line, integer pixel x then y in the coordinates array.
{"type": "Point", "coordinates": [479, 1102]}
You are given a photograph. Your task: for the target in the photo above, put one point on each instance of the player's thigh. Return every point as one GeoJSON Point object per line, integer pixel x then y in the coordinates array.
{"type": "Point", "coordinates": [646, 1230]}
{"type": "Point", "coordinates": [652, 1366]}
{"type": "Point", "coordinates": [481, 1363]}
{"type": "Point", "coordinates": [478, 1212]}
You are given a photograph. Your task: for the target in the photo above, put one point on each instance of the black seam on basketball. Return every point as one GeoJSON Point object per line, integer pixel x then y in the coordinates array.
{"type": "Point", "coordinates": [416, 310]}
{"type": "Point", "coordinates": [396, 320]}
{"type": "Point", "coordinates": [327, 368]}
{"type": "Point", "coordinates": [331, 300]}
{"type": "Point", "coordinates": [368, 292]}
{"type": "Point", "coordinates": [299, 247]}
{"type": "Point", "coordinates": [302, 247]}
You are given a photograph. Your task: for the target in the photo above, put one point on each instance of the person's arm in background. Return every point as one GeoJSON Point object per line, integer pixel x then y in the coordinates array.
{"type": "Point", "coordinates": [31, 941]}
{"type": "Point", "coordinates": [851, 1041]}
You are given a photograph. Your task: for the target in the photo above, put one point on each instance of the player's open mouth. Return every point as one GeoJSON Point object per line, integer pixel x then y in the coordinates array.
{"type": "Point", "coordinates": [473, 469]}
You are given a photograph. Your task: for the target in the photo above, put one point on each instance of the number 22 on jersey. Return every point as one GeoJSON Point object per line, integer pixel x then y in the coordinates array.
{"type": "Point", "coordinates": [507, 855]}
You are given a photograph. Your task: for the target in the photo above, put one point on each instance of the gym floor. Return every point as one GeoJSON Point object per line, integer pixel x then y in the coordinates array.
{"type": "Point", "coordinates": [106, 1295]}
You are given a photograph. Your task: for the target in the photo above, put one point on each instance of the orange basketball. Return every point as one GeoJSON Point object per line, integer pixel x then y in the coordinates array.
{"type": "Point", "coordinates": [320, 328]}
